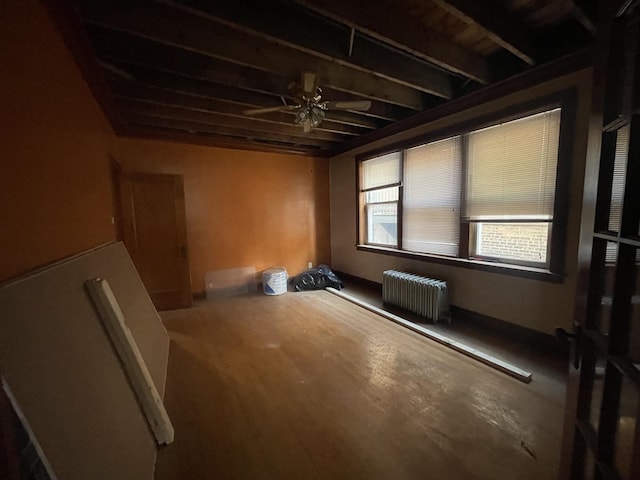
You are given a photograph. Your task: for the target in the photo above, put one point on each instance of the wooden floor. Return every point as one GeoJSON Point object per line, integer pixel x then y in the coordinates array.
{"type": "Point", "coordinates": [307, 385]}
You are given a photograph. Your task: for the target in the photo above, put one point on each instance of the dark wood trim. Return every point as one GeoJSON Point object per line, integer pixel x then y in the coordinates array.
{"type": "Point", "coordinates": [612, 237]}
{"type": "Point", "coordinates": [565, 99]}
{"type": "Point", "coordinates": [501, 268]}
{"type": "Point", "coordinates": [528, 79]}
{"type": "Point", "coordinates": [626, 369]}
{"type": "Point", "coordinates": [528, 336]}
{"type": "Point", "coordinates": [348, 278]}
{"type": "Point", "coordinates": [67, 20]}
{"type": "Point", "coordinates": [198, 296]}
{"type": "Point", "coordinates": [358, 193]}
{"type": "Point", "coordinates": [381, 187]}
{"type": "Point", "coordinates": [608, 415]}
{"type": "Point", "coordinates": [563, 181]}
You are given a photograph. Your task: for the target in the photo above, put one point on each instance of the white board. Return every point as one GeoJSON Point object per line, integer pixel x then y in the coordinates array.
{"type": "Point", "coordinates": [132, 361]}
{"type": "Point", "coordinates": [66, 376]}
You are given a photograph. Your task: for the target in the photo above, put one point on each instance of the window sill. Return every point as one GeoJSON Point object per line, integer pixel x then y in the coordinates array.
{"type": "Point", "coordinates": [493, 267]}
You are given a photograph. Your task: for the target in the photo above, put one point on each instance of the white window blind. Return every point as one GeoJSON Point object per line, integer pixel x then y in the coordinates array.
{"type": "Point", "coordinates": [381, 171]}
{"type": "Point", "coordinates": [431, 203]}
{"type": "Point", "coordinates": [617, 190]}
{"type": "Point", "coordinates": [511, 169]}
{"type": "Point", "coordinates": [380, 180]}
{"type": "Point", "coordinates": [619, 173]}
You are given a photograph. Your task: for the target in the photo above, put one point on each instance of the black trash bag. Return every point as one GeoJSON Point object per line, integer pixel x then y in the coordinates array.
{"type": "Point", "coordinates": [317, 278]}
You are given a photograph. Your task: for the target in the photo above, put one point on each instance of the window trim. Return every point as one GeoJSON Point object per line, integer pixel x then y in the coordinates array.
{"type": "Point", "coordinates": [566, 101]}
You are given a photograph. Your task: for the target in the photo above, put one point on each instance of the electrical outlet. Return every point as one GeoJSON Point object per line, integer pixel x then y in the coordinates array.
{"type": "Point", "coordinates": [310, 265]}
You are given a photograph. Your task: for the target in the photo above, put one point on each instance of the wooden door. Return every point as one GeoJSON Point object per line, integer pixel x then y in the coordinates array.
{"type": "Point", "coordinates": [602, 429]}
{"type": "Point", "coordinates": [155, 234]}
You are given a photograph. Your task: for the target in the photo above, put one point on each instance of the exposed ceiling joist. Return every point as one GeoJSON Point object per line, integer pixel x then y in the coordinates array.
{"type": "Point", "coordinates": [204, 117]}
{"type": "Point", "coordinates": [193, 33]}
{"type": "Point", "coordinates": [500, 24]}
{"type": "Point", "coordinates": [189, 126]}
{"type": "Point", "coordinates": [189, 70]}
{"type": "Point", "coordinates": [403, 32]}
{"type": "Point", "coordinates": [292, 27]}
{"type": "Point", "coordinates": [213, 140]}
{"type": "Point", "coordinates": [201, 115]}
{"type": "Point", "coordinates": [169, 66]}
{"type": "Point", "coordinates": [164, 97]}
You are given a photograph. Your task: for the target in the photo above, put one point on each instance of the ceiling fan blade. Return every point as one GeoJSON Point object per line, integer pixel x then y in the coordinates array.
{"type": "Point", "coordinates": [308, 83]}
{"type": "Point", "coordinates": [361, 105]}
{"type": "Point", "coordinates": [259, 111]}
{"type": "Point", "coordinates": [116, 70]}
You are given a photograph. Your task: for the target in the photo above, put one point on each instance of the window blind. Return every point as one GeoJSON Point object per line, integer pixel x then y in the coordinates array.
{"type": "Point", "coordinates": [381, 171]}
{"type": "Point", "coordinates": [431, 203]}
{"type": "Point", "coordinates": [619, 173]}
{"type": "Point", "coordinates": [511, 169]}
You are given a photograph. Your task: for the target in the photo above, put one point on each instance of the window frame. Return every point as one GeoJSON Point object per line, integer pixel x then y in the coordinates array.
{"type": "Point", "coordinates": [363, 225]}
{"type": "Point", "coordinates": [566, 101]}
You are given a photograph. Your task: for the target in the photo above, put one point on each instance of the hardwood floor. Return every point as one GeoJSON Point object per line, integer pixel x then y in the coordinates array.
{"type": "Point", "coordinates": [307, 385]}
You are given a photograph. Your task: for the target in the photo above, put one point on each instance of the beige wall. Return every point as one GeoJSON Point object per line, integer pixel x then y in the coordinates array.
{"type": "Point", "coordinates": [534, 304]}
{"type": "Point", "coordinates": [55, 199]}
{"type": "Point", "coordinates": [243, 208]}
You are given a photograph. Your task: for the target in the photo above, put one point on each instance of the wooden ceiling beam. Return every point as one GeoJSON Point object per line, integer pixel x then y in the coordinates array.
{"type": "Point", "coordinates": [584, 12]}
{"type": "Point", "coordinates": [213, 140]}
{"type": "Point", "coordinates": [297, 28]}
{"type": "Point", "coordinates": [251, 126]}
{"type": "Point", "coordinates": [172, 98]}
{"type": "Point", "coordinates": [185, 126]}
{"type": "Point", "coordinates": [170, 26]}
{"type": "Point", "coordinates": [123, 51]}
{"type": "Point", "coordinates": [498, 23]}
{"type": "Point", "coordinates": [402, 32]}
{"type": "Point", "coordinates": [201, 89]}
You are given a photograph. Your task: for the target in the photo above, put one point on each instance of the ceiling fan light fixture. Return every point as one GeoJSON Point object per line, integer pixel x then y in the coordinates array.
{"type": "Point", "coordinates": [309, 116]}
{"type": "Point", "coordinates": [302, 114]}
{"type": "Point", "coordinates": [310, 109]}
{"type": "Point", "coordinates": [317, 115]}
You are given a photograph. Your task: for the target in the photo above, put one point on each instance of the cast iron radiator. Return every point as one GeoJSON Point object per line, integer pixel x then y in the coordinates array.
{"type": "Point", "coordinates": [425, 296]}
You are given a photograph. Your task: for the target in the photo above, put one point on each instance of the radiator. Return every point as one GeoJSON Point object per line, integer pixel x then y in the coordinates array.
{"type": "Point", "coordinates": [425, 296]}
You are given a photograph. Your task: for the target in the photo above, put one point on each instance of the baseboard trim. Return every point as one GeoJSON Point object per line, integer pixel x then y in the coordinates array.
{"type": "Point", "coordinates": [518, 333]}
{"type": "Point", "coordinates": [539, 340]}
{"type": "Point", "coordinates": [347, 277]}
{"type": "Point", "coordinates": [489, 360]}
{"type": "Point", "coordinates": [201, 295]}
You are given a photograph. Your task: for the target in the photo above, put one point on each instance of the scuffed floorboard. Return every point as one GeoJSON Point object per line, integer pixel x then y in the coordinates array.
{"type": "Point", "coordinates": [308, 385]}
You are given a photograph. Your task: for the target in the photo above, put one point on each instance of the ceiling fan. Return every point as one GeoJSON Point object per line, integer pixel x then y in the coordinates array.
{"type": "Point", "coordinates": [310, 108]}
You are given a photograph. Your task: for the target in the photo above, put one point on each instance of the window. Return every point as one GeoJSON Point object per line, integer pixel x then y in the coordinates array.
{"type": "Point", "coordinates": [510, 188]}
{"type": "Point", "coordinates": [484, 195]}
{"type": "Point", "coordinates": [431, 206]}
{"type": "Point", "coordinates": [380, 190]}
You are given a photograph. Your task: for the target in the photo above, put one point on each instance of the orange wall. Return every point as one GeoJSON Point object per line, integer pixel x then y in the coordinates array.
{"type": "Point", "coordinates": [55, 198]}
{"type": "Point", "coordinates": [243, 208]}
